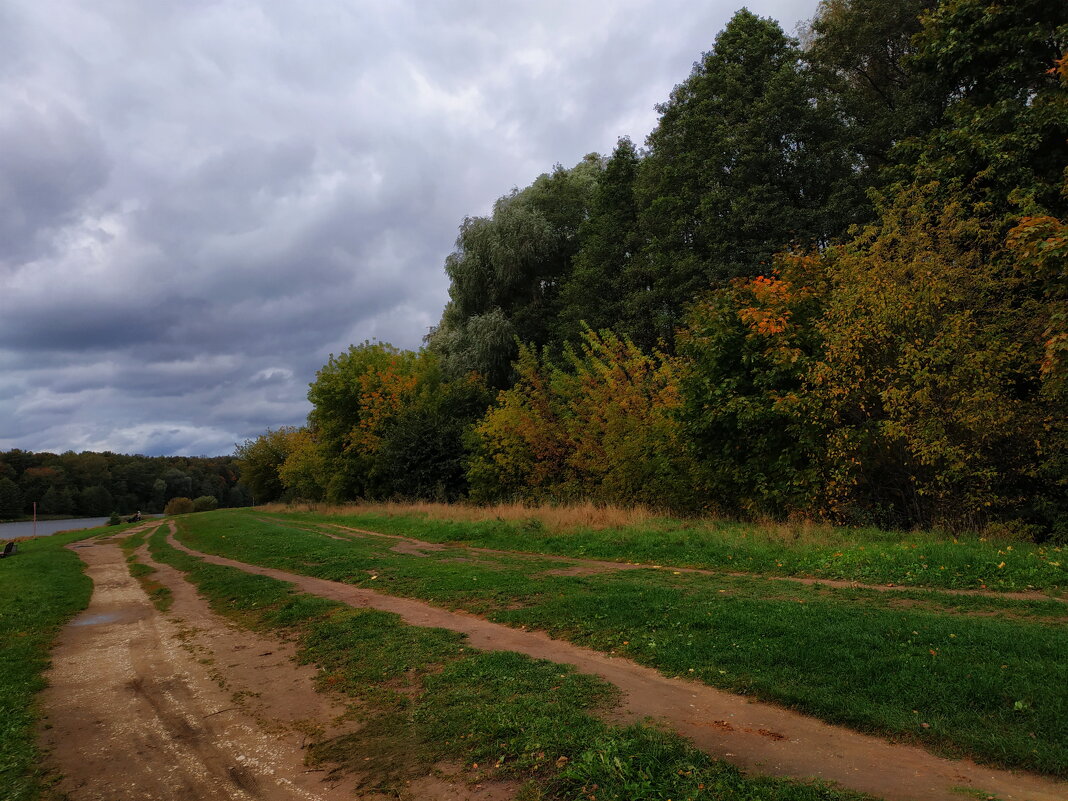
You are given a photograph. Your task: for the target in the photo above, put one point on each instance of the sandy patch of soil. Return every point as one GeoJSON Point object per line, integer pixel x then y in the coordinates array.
{"type": "Point", "coordinates": [758, 737]}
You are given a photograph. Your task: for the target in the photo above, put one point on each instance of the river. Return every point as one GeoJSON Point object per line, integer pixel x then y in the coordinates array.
{"type": "Point", "coordinates": [9, 531]}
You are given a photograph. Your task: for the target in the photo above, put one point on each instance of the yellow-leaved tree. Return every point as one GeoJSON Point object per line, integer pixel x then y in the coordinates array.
{"type": "Point", "coordinates": [599, 425]}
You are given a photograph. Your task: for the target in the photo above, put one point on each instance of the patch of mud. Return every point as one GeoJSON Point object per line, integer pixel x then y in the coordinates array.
{"type": "Point", "coordinates": [756, 736]}
{"type": "Point", "coordinates": [416, 549]}
{"type": "Point", "coordinates": [142, 706]}
{"type": "Point", "coordinates": [577, 570]}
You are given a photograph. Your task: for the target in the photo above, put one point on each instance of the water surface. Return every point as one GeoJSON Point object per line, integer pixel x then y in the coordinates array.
{"type": "Point", "coordinates": [9, 531]}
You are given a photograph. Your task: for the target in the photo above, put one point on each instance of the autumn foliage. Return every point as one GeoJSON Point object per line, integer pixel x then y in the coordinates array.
{"type": "Point", "coordinates": [601, 425]}
{"type": "Point", "coordinates": [832, 286]}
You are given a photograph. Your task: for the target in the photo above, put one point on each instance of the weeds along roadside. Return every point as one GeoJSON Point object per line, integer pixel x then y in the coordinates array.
{"type": "Point", "coordinates": [41, 588]}
{"type": "Point", "coordinates": [922, 559]}
{"type": "Point", "coordinates": [424, 696]}
{"type": "Point", "coordinates": [986, 675]}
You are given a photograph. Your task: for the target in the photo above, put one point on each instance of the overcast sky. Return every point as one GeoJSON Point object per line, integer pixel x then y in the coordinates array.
{"type": "Point", "coordinates": [200, 201]}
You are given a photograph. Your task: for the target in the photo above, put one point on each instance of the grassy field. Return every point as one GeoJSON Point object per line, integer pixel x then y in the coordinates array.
{"type": "Point", "coordinates": [41, 588]}
{"type": "Point", "coordinates": [986, 675]}
{"type": "Point", "coordinates": [424, 696]}
{"type": "Point", "coordinates": [922, 559]}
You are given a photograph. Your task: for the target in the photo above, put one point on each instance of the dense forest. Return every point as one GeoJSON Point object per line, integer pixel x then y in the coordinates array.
{"type": "Point", "coordinates": [97, 484]}
{"type": "Point", "coordinates": [830, 284]}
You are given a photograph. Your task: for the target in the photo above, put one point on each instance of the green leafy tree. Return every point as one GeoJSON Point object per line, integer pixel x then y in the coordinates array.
{"type": "Point", "coordinates": [423, 455]}
{"type": "Point", "coordinates": [747, 348]}
{"type": "Point", "coordinates": [747, 159]}
{"type": "Point", "coordinates": [354, 396]}
{"type": "Point", "coordinates": [1002, 141]}
{"type": "Point", "coordinates": [259, 460]}
{"type": "Point", "coordinates": [56, 501]}
{"type": "Point", "coordinates": [10, 499]}
{"type": "Point", "coordinates": [861, 50]}
{"type": "Point", "coordinates": [507, 271]}
{"type": "Point", "coordinates": [593, 295]}
{"type": "Point", "coordinates": [93, 501]}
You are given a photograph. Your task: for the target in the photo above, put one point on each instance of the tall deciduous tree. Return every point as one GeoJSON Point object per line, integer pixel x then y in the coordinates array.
{"type": "Point", "coordinates": [594, 293]}
{"type": "Point", "coordinates": [507, 271]}
{"type": "Point", "coordinates": [1002, 142]}
{"type": "Point", "coordinates": [10, 498]}
{"type": "Point", "coordinates": [747, 349]}
{"type": "Point", "coordinates": [923, 386]}
{"type": "Point", "coordinates": [747, 159]}
{"type": "Point", "coordinates": [862, 50]}
{"type": "Point", "coordinates": [259, 460]}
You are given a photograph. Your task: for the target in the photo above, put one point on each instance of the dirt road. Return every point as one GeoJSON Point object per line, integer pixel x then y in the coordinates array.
{"type": "Point", "coordinates": [182, 705]}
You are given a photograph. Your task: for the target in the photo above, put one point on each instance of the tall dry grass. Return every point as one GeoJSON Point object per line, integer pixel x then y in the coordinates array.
{"type": "Point", "coordinates": [553, 517]}
{"type": "Point", "coordinates": [564, 517]}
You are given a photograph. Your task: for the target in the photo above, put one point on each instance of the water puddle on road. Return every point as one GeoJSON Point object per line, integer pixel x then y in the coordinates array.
{"type": "Point", "coordinates": [96, 620]}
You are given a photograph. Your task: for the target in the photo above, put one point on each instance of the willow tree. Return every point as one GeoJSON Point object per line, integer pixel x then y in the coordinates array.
{"type": "Point", "coordinates": [507, 270]}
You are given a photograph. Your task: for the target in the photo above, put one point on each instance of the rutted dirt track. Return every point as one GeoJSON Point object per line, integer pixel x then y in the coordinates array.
{"type": "Point", "coordinates": [756, 736]}
{"type": "Point", "coordinates": [182, 705]}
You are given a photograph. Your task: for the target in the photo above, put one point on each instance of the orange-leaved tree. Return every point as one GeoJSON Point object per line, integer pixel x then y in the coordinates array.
{"type": "Point", "coordinates": [746, 348]}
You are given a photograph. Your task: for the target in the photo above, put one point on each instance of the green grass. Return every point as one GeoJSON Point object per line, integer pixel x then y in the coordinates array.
{"type": "Point", "coordinates": [424, 695]}
{"type": "Point", "coordinates": [986, 675]}
{"type": "Point", "coordinates": [922, 559]}
{"type": "Point", "coordinates": [41, 588]}
{"type": "Point", "coordinates": [159, 594]}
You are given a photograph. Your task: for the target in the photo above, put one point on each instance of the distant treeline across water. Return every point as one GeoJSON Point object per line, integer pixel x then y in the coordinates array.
{"type": "Point", "coordinates": [97, 484]}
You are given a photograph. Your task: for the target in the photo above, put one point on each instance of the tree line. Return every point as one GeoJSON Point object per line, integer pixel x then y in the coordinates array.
{"type": "Point", "coordinates": [830, 284]}
{"type": "Point", "coordinates": [92, 484]}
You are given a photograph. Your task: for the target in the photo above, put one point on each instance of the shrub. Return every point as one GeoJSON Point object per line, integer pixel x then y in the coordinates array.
{"type": "Point", "coordinates": [205, 503]}
{"type": "Point", "coordinates": [179, 506]}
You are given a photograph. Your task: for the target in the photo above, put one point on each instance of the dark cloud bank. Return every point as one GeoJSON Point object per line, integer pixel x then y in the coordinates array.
{"type": "Point", "coordinates": [200, 201]}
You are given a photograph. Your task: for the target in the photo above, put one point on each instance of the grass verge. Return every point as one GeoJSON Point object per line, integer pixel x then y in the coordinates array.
{"type": "Point", "coordinates": [425, 696]}
{"type": "Point", "coordinates": [986, 676]}
{"type": "Point", "coordinates": [920, 559]}
{"type": "Point", "coordinates": [41, 588]}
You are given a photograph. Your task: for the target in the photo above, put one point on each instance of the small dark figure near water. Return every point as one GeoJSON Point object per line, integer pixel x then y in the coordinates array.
{"type": "Point", "coordinates": [134, 518]}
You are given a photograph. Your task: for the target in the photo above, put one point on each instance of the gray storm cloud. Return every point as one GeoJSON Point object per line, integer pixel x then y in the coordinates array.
{"type": "Point", "coordinates": [200, 201]}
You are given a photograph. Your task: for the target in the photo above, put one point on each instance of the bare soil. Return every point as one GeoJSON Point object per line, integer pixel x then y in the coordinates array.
{"type": "Point", "coordinates": [184, 705]}
{"type": "Point", "coordinates": [758, 737]}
